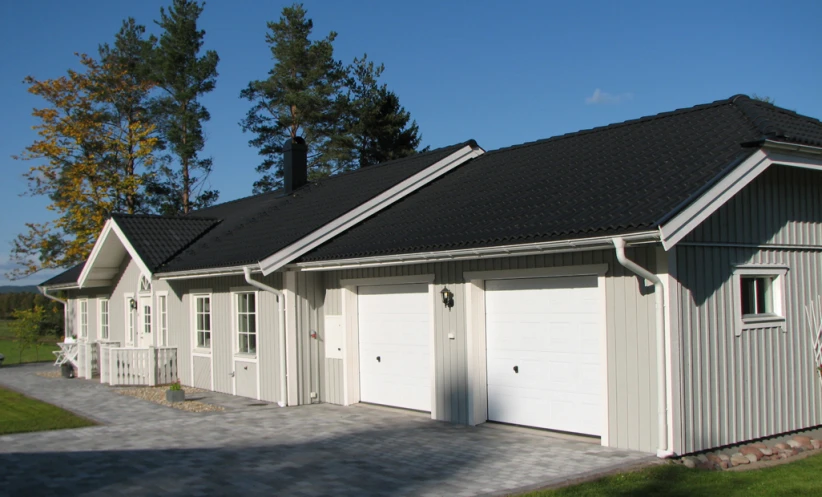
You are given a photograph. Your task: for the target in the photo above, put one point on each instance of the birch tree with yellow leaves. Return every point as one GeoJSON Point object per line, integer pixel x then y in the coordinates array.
{"type": "Point", "coordinates": [94, 152]}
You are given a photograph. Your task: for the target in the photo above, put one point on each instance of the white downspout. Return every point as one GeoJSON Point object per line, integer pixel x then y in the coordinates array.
{"type": "Point", "coordinates": [45, 293]}
{"type": "Point", "coordinates": [281, 304]}
{"type": "Point", "coordinates": [661, 359]}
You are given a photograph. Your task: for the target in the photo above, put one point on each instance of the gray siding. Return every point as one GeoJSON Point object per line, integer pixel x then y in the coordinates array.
{"type": "Point", "coordinates": [310, 351]}
{"type": "Point", "coordinates": [737, 388]}
{"type": "Point", "coordinates": [127, 282]}
{"type": "Point", "coordinates": [630, 330]}
{"type": "Point", "coordinates": [222, 339]}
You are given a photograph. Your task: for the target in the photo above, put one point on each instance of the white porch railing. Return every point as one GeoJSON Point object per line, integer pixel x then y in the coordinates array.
{"type": "Point", "coordinates": [131, 366]}
{"type": "Point", "coordinates": [103, 361]}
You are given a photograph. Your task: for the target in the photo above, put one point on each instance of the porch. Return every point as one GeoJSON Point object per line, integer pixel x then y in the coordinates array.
{"type": "Point", "coordinates": [115, 365]}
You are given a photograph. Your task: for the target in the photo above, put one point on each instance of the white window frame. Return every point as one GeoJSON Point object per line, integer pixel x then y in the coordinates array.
{"type": "Point", "coordinates": [235, 320]}
{"type": "Point", "coordinates": [162, 319]}
{"type": "Point", "coordinates": [82, 318]}
{"type": "Point", "coordinates": [104, 318]}
{"type": "Point", "coordinates": [130, 319]}
{"type": "Point", "coordinates": [774, 319]}
{"type": "Point", "coordinates": [194, 331]}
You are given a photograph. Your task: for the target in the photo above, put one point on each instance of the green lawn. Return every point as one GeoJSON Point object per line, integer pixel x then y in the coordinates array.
{"type": "Point", "coordinates": [19, 414]}
{"type": "Point", "coordinates": [672, 480]}
{"type": "Point", "coordinates": [10, 348]}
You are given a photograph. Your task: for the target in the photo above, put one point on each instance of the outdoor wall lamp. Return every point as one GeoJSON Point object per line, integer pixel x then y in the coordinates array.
{"type": "Point", "coordinates": [447, 297]}
{"type": "Point", "coordinates": [133, 304]}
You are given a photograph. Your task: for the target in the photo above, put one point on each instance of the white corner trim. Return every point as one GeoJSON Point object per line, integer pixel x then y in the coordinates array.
{"type": "Point", "coordinates": [678, 227]}
{"type": "Point", "coordinates": [108, 228]}
{"type": "Point", "coordinates": [546, 272]}
{"type": "Point", "coordinates": [368, 209]}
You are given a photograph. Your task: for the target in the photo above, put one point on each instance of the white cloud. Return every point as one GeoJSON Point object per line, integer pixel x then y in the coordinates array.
{"type": "Point", "coordinates": [603, 97]}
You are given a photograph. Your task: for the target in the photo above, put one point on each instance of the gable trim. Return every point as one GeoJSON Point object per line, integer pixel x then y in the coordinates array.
{"type": "Point", "coordinates": [368, 209]}
{"type": "Point", "coordinates": [110, 227]}
{"type": "Point", "coordinates": [679, 226]}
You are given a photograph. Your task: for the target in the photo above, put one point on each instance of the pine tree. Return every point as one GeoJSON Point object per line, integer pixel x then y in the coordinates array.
{"type": "Point", "coordinates": [300, 97]}
{"type": "Point", "coordinates": [377, 124]}
{"type": "Point", "coordinates": [184, 77]}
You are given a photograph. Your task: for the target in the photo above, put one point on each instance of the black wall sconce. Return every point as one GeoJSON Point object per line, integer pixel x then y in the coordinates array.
{"type": "Point", "coordinates": [133, 304]}
{"type": "Point", "coordinates": [447, 297]}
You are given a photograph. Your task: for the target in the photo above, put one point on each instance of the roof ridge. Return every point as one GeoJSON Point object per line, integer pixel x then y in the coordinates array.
{"type": "Point", "coordinates": [629, 122]}
{"type": "Point", "coordinates": [753, 110]}
{"type": "Point", "coordinates": [183, 217]}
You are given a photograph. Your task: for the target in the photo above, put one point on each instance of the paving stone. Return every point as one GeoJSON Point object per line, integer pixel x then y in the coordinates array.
{"type": "Point", "coordinates": [143, 448]}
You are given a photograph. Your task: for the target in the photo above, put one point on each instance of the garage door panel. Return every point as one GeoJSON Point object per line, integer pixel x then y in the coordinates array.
{"type": "Point", "coordinates": [550, 329]}
{"type": "Point", "coordinates": [394, 325]}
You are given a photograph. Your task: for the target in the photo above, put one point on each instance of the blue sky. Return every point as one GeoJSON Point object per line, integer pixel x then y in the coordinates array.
{"type": "Point", "coordinates": [499, 72]}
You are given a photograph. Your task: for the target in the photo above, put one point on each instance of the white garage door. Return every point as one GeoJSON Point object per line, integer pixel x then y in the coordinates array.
{"type": "Point", "coordinates": [395, 345]}
{"type": "Point", "coordinates": [543, 343]}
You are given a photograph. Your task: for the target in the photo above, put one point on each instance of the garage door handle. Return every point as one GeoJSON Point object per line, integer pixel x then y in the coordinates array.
{"type": "Point", "coordinates": [378, 358]}
{"type": "Point", "coordinates": [516, 369]}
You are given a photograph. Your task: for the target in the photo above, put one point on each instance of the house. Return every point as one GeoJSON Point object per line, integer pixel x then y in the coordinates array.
{"type": "Point", "coordinates": [643, 282]}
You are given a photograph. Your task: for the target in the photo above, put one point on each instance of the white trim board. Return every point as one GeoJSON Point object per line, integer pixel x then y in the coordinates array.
{"type": "Point", "coordinates": [108, 273]}
{"type": "Point", "coordinates": [678, 227]}
{"type": "Point", "coordinates": [559, 246]}
{"type": "Point", "coordinates": [368, 209]}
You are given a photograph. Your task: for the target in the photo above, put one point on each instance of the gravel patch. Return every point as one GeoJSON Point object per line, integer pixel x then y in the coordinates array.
{"type": "Point", "coordinates": [49, 374]}
{"type": "Point", "coordinates": [158, 396]}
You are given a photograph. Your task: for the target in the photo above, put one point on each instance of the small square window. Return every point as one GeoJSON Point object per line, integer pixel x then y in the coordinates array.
{"type": "Point", "coordinates": [759, 296]}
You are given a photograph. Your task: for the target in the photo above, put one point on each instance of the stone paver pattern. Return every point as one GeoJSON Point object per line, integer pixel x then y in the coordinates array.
{"type": "Point", "coordinates": [143, 448]}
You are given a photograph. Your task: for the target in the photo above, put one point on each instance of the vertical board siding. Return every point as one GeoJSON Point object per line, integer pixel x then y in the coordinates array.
{"type": "Point", "coordinates": [630, 329]}
{"type": "Point", "coordinates": [127, 282]}
{"type": "Point", "coordinates": [763, 382]}
{"type": "Point", "coordinates": [180, 334]}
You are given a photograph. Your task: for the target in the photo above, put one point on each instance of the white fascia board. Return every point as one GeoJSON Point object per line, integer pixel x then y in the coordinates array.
{"type": "Point", "coordinates": [683, 223]}
{"type": "Point", "coordinates": [679, 226]}
{"type": "Point", "coordinates": [368, 209]}
{"type": "Point", "coordinates": [109, 228]}
{"type": "Point", "coordinates": [559, 246]}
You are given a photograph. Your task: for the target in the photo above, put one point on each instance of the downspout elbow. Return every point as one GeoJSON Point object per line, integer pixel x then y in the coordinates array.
{"type": "Point", "coordinates": [281, 324]}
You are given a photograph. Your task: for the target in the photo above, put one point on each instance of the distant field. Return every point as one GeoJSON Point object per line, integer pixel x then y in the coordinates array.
{"type": "Point", "coordinates": [10, 348]}
{"type": "Point", "coordinates": [19, 414]}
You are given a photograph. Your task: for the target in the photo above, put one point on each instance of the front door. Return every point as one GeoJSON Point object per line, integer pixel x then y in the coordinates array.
{"type": "Point", "coordinates": [144, 334]}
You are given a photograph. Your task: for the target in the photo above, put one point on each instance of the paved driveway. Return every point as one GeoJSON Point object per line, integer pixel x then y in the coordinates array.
{"type": "Point", "coordinates": [144, 448]}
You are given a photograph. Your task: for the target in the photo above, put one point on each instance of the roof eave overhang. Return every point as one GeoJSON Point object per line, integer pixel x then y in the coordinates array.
{"type": "Point", "coordinates": [385, 199]}
{"type": "Point", "coordinates": [95, 275]}
{"type": "Point", "coordinates": [678, 226]}
{"type": "Point", "coordinates": [525, 249]}
{"type": "Point", "coordinates": [60, 286]}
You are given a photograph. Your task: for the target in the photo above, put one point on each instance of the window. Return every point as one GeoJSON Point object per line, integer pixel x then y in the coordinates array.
{"type": "Point", "coordinates": [146, 319]}
{"type": "Point", "coordinates": [757, 295]}
{"type": "Point", "coordinates": [104, 328]}
{"type": "Point", "coordinates": [247, 322]}
{"type": "Point", "coordinates": [760, 296]}
{"type": "Point", "coordinates": [202, 321]}
{"type": "Point", "coordinates": [162, 302]}
{"type": "Point", "coordinates": [83, 318]}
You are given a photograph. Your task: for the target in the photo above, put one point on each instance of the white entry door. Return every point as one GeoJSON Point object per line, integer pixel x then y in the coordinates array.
{"type": "Point", "coordinates": [144, 325]}
{"type": "Point", "coordinates": [395, 345]}
{"type": "Point", "coordinates": [544, 359]}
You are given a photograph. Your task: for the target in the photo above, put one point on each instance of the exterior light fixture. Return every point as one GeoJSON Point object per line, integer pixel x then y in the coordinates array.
{"type": "Point", "coordinates": [447, 297]}
{"type": "Point", "coordinates": [133, 304]}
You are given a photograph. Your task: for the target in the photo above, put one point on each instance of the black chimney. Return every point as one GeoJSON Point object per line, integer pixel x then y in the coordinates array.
{"type": "Point", "coordinates": [295, 164]}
